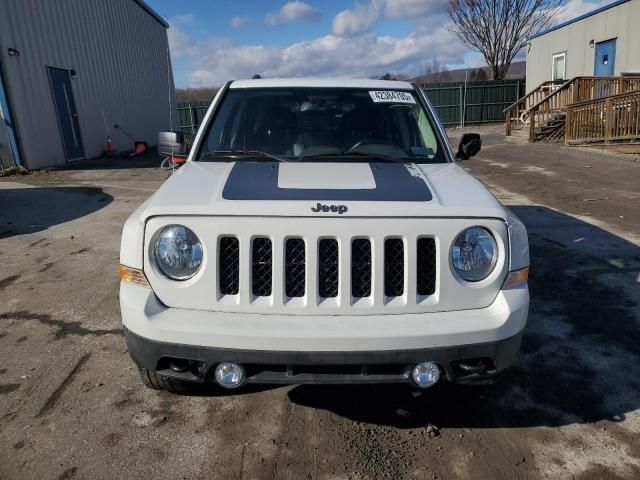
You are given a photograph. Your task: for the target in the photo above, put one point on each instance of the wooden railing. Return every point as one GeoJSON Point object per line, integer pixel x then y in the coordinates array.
{"type": "Point", "coordinates": [547, 108]}
{"type": "Point", "coordinates": [555, 103]}
{"type": "Point", "coordinates": [592, 88]}
{"type": "Point", "coordinates": [607, 120]}
{"type": "Point", "coordinates": [513, 113]}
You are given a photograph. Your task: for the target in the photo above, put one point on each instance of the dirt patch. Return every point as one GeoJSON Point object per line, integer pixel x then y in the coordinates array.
{"type": "Point", "coordinates": [63, 328]}
{"type": "Point", "coordinates": [53, 398]}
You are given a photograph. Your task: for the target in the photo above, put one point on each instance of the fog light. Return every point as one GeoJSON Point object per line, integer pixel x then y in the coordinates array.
{"type": "Point", "coordinates": [425, 374]}
{"type": "Point", "coordinates": [229, 375]}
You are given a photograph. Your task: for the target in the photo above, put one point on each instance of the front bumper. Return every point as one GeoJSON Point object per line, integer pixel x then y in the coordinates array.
{"type": "Point", "coordinates": [383, 366]}
{"type": "Point", "coordinates": [323, 349]}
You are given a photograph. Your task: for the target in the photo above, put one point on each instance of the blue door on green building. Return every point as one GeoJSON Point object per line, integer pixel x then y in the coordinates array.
{"type": "Point", "coordinates": [605, 61]}
{"type": "Point", "coordinates": [60, 80]}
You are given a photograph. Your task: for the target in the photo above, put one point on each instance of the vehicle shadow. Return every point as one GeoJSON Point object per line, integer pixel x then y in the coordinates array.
{"type": "Point", "coordinates": [579, 361]}
{"type": "Point", "coordinates": [33, 209]}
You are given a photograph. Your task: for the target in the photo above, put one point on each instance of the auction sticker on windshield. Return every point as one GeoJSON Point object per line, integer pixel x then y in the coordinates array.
{"type": "Point", "coordinates": [379, 96]}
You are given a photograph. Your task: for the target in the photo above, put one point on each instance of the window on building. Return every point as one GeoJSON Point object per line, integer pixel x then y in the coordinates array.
{"type": "Point", "coordinates": [559, 66]}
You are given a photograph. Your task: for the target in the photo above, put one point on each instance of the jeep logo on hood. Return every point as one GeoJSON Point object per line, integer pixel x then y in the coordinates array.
{"type": "Point", "coordinates": [340, 209]}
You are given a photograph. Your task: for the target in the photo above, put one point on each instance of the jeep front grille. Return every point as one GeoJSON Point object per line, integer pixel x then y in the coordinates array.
{"type": "Point", "coordinates": [295, 268]}
{"type": "Point", "coordinates": [426, 266]}
{"type": "Point", "coordinates": [328, 268]}
{"type": "Point", "coordinates": [262, 263]}
{"type": "Point", "coordinates": [316, 269]}
{"type": "Point", "coordinates": [229, 265]}
{"type": "Point", "coordinates": [394, 267]}
{"type": "Point", "coordinates": [361, 268]}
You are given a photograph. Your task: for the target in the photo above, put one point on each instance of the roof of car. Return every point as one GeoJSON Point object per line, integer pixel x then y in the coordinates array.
{"type": "Point", "coordinates": [321, 82]}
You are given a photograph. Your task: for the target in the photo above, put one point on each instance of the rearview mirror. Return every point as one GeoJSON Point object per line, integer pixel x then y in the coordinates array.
{"type": "Point", "coordinates": [171, 144]}
{"type": "Point", "coordinates": [470, 144]}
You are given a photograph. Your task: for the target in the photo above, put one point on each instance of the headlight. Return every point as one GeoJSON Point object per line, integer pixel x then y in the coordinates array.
{"type": "Point", "coordinates": [178, 252]}
{"type": "Point", "coordinates": [474, 254]}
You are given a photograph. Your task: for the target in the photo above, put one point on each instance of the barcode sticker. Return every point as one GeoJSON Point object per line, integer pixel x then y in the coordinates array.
{"type": "Point", "coordinates": [390, 96]}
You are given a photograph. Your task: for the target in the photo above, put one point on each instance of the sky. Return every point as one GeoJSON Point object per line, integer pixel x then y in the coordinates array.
{"type": "Point", "coordinates": [212, 41]}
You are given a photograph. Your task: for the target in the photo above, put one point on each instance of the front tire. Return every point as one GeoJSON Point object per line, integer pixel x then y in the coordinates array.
{"type": "Point", "coordinates": [154, 380]}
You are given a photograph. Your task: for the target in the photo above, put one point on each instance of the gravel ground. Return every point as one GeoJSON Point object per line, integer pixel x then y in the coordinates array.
{"type": "Point", "coordinates": [72, 406]}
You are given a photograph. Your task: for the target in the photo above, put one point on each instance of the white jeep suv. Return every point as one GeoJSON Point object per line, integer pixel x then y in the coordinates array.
{"type": "Point", "coordinates": [322, 231]}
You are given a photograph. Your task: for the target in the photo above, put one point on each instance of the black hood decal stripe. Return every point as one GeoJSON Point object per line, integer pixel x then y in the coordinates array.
{"type": "Point", "coordinates": [259, 181]}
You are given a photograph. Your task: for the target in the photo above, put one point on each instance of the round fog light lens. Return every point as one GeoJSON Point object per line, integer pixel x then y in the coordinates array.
{"type": "Point", "coordinates": [229, 375]}
{"type": "Point", "coordinates": [425, 374]}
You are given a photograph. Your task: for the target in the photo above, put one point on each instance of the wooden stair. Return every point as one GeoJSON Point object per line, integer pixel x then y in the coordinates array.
{"type": "Point", "coordinates": [543, 111]}
{"type": "Point", "coordinates": [553, 130]}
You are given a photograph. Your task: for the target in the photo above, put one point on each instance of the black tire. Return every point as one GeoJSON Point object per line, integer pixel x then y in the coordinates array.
{"type": "Point", "coordinates": [156, 381]}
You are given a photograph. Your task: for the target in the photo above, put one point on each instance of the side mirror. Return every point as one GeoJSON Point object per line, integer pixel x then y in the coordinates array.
{"type": "Point", "coordinates": [470, 144]}
{"type": "Point", "coordinates": [171, 144]}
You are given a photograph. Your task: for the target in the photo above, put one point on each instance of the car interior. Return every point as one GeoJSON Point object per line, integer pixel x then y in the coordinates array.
{"type": "Point", "coordinates": [306, 126]}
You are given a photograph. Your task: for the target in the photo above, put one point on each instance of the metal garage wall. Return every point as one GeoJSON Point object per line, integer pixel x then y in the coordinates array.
{"type": "Point", "coordinates": [119, 53]}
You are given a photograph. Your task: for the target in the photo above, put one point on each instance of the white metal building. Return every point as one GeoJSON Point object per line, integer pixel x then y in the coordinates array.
{"type": "Point", "coordinates": [604, 42]}
{"type": "Point", "coordinates": [71, 69]}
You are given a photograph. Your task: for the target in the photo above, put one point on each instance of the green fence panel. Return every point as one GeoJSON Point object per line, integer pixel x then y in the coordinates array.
{"type": "Point", "coordinates": [457, 104]}
{"type": "Point", "coordinates": [190, 116]}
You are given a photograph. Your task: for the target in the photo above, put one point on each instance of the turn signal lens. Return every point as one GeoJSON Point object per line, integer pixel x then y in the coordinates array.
{"type": "Point", "coordinates": [133, 275]}
{"type": "Point", "coordinates": [515, 279]}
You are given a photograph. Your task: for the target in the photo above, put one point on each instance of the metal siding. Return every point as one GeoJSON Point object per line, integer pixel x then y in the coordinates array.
{"type": "Point", "coordinates": [617, 22]}
{"type": "Point", "coordinates": [119, 52]}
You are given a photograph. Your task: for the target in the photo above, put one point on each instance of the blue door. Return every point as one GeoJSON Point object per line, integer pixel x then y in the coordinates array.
{"type": "Point", "coordinates": [67, 116]}
{"type": "Point", "coordinates": [605, 58]}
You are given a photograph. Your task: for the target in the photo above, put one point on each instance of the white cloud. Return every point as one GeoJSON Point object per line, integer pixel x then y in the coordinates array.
{"type": "Point", "coordinates": [362, 16]}
{"type": "Point", "coordinates": [412, 8]}
{"type": "Point", "coordinates": [296, 11]}
{"type": "Point", "coordinates": [180, 44]}
{"type": "Point", "coordinates": [239, 21]}
{"type": "Point", "coordinates": [185, 19]}
{"type": "Point", "coordinates": [357, 20]}
{"type": "Point", "coordinates": [213, 62]}
{"type": "Point", "coordinates": [575, 8]}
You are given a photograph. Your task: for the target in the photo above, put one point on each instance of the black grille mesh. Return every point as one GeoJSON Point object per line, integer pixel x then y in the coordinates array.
{"type": "Point", "coordinates": [229, 265]}
{"type": "Point", "coordinates": [294, 267]}
{"type": "Point", "coordinates": [394, 267]}
{"type": "Point", "coordinates": [261, 262]}
{"type": "Point", "coordinates": [328, 268]}
{"type": "Point", "coordinates": [361, 268]}
{"type": "Point", "coordinates": [426, 266]}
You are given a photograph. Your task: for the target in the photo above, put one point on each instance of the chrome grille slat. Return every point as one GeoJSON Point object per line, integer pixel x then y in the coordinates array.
{"type": "Point", "coordinates": [295, 267]}
{"type": "Point", "coordinates": [229, 266]}
{"type": "Point", "coordinates": [328, 268]}
{"type": "Point", "coordinates": [262, 267]}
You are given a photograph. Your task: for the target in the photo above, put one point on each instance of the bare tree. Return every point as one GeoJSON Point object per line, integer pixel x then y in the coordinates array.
{"type": "Point", "coordinates": [434, 72]}
{"type": "Point", "coordinates": [194, 95]}
{"type": "Point", "coordinates": [392, 76]}
{"type": "Point", "coordinates": [499, 29]}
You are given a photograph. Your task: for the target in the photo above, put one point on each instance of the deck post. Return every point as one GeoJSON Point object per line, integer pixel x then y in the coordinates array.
{"type": "Point", "coordinates": [532, 124]}
{"type": "Point", "coordinates": [608, 126]}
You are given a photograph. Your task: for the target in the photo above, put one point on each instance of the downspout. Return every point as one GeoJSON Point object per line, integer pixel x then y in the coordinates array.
{"type": "Point", "coordinates": [7, 119]}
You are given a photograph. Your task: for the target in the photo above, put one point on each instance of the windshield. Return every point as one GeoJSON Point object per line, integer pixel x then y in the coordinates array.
{"type": "Point", "coordinates": [297, 124]}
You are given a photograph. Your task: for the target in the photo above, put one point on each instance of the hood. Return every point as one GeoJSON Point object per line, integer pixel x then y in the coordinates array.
{"type": "Point", "coordinates": [376, 189]}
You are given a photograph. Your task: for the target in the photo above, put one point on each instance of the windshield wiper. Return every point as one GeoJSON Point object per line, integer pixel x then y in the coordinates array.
{"type": "Point", "coordinates": [241, 153]}
{"type": "Point", "coordinates": [362, 155]}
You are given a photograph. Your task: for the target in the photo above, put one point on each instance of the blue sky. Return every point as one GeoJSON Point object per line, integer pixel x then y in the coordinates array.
{"type": "Point", "coordinates": [215, 40]}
